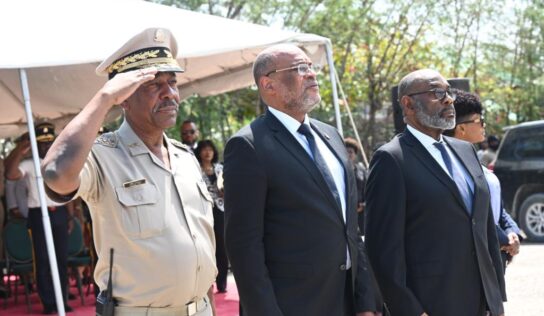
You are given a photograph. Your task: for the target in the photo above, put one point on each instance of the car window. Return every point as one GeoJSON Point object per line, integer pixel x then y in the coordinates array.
{"type": "Point", "coordinates": [531, 145]}
{"type": "Point", "coordinates": [508, 146]}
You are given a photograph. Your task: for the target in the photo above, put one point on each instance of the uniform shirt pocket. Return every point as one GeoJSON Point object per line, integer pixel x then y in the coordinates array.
{"type": "Point", "coordinates": [142, 216]}
{"type": "Point", "coordinates": [207, 200]}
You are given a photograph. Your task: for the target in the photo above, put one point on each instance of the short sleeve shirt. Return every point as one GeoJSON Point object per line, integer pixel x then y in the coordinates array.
{"type": "Point", "coordinates": [29, 177]}
{"type": "Point", "coordinates": [159, 221]}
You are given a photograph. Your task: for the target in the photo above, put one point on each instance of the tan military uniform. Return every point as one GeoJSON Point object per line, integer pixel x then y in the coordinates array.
{"type": "Point", "coordinates": [158, 221]}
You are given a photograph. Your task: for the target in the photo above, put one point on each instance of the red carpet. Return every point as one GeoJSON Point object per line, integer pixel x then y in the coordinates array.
{"type": "Point", "coordinates": [226, 303]}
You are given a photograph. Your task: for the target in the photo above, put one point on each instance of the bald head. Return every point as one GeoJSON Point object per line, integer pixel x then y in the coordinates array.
{"type": "Point", "coordinates": [267, 60]}
{"type": "Point", "coordinates": [417, 78]}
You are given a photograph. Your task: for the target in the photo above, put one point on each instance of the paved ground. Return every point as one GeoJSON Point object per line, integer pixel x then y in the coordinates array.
{"type": "Point", "coordinates": [525, 282]}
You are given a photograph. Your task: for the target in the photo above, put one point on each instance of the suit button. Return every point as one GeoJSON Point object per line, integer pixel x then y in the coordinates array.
{"type": "Point", "coordinates": [342, 267]}
{"type": "Point", "coordinates": [473, 222]}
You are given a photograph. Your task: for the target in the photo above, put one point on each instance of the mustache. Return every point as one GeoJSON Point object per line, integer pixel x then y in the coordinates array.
{"type": "Point", "coordinates": [449, 108]}
{"type": "Point", "coordinates": [166, 103]}
{"type": "Point", "coordinates": [311, 84]}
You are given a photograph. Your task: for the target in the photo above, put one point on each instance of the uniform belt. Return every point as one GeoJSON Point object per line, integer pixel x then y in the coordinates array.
{"type": "Point", "coordinates": [189, 309]}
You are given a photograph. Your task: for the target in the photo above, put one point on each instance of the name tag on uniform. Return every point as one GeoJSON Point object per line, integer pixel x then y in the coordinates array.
{"type": "Point", "coordinates": [133, 183]}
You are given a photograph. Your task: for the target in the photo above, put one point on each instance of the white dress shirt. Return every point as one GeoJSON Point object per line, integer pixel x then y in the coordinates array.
{"type": "Point", "coordinates": [428, 142]}
{"type": "Point", "coordinates": [335, 167]}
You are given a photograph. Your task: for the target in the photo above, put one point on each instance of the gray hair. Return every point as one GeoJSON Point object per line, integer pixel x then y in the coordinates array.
{"type": "Point", "coordinates": [415, 77]}
{"type": "Point", "coordinates": [266, 60]}
{"type": "Point", "coordinates": [262, 64]}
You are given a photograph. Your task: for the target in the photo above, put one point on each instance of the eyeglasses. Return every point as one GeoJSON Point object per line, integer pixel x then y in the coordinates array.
{"type": "Point", "coordinates": [439, 93]}
{"type": "Point", "coordinates": [188, 132]}
{"type": "Point", "coordinates": [302, 69]}
{"type": "Point", "coordinates": [478, 120]}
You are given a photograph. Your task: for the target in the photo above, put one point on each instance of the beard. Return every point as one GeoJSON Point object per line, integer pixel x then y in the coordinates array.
{"type": "Point", "coordinates": [304, 103]}
{"type": "Point", "coordinates": [434, 120]}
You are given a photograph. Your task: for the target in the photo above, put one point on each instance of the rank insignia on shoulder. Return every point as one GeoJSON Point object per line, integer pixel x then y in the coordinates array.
{"type": "Point", "coordinates": [181, 145]}
{"type": "Point", "coordinates": [107, 139]}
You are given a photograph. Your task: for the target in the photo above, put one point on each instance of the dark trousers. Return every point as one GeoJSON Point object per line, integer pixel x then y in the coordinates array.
{"type": "Point", "coordinates": [220, 252]}
{"type": "Point", "coordinates": [59, 227]}
{"type": "Point", "coordinates": [361, 222]}
{"type": "Point", "coordinates": [348, 308]}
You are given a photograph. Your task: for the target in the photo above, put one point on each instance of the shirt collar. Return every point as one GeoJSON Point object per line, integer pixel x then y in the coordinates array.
{"type": "Point", "coordinates": [426, 140]}
{"type": "Point", "coordinates": [289, 122]}
{"type": "Point", "coordinates": [134, 144]}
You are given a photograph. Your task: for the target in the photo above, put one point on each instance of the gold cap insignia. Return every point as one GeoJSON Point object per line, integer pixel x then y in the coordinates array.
{"type": "Point", "coordinates": [159, 36]}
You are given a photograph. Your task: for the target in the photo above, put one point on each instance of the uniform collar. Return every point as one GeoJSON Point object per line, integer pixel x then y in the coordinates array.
{"type": "Point", "coordinates": [134, 144]}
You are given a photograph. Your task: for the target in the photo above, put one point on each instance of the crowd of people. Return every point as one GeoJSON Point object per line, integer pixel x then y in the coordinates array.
{"type": "Point", "coordinates": [287, 208]}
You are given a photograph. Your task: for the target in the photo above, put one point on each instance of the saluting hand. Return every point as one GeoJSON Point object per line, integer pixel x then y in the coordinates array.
{"type": "Point", "coordinates": [23, 147]}
{"type": "Point", "coordinates": [123, 85]}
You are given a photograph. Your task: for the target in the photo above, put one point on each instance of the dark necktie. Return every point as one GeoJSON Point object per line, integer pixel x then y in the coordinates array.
{"type": "Point", "coordinates": [320, 162]}
{"type": "Point", "coordinates": [457, 177]}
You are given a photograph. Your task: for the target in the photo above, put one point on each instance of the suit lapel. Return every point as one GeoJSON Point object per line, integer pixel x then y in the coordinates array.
{"type": "Point", "coordinates": [473, 167]}
{"type": "Point", "coordinates": [337, 147]}
{"type": "Point", "coordinates": [430, 163]}
{"type": "Point", "coordinates": [284, 137]}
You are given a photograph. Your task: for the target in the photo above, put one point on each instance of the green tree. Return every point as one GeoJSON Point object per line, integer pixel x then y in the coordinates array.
{"type": "Point", "coordinates": [377, 42]}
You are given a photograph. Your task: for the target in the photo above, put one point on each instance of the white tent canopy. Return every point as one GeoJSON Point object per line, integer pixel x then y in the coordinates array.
{"type": "Point", "coordinates": [61, 42]}
{"type": "Point", "coordinates": [51, 48]}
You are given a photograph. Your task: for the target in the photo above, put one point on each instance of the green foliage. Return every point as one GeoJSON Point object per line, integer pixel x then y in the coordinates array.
{"type": "Point", "coordinates": [499, 45]}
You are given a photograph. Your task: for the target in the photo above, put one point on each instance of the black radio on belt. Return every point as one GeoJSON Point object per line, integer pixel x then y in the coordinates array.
{"type": "Point", "coordinates": [105, 303]}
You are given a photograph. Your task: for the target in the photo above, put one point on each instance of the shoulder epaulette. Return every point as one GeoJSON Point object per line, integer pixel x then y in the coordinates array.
{"type": "Point", "coordinates": [107, 139]}
{"type": "Point", "coordinates": [180, 145]}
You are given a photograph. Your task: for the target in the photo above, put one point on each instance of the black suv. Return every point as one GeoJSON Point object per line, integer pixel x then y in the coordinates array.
{"type": "Point", "coordinates": [520, 168]}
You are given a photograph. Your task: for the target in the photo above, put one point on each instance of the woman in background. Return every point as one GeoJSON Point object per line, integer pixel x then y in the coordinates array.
{"type": "Point", "coordinates": [212, 173]}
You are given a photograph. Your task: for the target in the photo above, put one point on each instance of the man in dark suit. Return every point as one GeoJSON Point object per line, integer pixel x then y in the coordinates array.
{"type": "Point", "coordinates": [430, 234]}
{"type": "Point", "coordinates": [290, 203]}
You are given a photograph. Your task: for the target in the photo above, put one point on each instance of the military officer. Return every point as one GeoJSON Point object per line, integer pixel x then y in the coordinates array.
{"type": "Point", "coordinates": [18, 168]}
{"type": "Point", "coordinates": [145, 192]}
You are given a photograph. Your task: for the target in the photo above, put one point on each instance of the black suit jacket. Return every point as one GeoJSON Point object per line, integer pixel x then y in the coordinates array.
{"type": "Point", "coordinates": [284, 232]}
{"type": "Point", "coordinates": [428, 253]}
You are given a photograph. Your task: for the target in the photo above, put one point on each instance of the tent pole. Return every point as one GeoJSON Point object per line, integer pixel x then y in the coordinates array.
{"type": "Point", "coordinates": [330, 62]}
{"type": "Point", "coordinates": [41, 191]}
{"type": "Point", "coordinates": [346, 105]}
